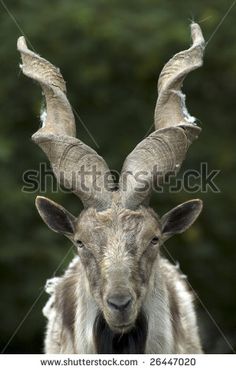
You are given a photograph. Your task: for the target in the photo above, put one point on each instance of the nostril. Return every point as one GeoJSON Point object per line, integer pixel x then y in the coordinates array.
{"type": "Point", "coordinates": [119, 302]}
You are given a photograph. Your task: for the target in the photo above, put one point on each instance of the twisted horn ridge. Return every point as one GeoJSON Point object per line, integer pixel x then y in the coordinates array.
{"type": "Point", "coordinates": [75, 165]}
{"type": "Point", "coordinates": [164, 150]}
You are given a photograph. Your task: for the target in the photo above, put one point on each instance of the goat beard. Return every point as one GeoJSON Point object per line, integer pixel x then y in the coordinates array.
{"type": "Point", "coordinates": [109, 342]}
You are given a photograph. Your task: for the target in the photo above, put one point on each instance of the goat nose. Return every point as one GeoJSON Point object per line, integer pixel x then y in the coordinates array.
{"type": "Point", "coordinates": [119, 302]}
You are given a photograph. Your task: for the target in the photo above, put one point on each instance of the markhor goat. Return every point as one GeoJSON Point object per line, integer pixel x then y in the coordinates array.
{"type": "Point", "coordinates": [119, 295]}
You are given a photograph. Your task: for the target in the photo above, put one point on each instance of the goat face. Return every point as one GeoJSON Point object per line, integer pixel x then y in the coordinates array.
{"type": "Point", "coordinates": [119, 250]}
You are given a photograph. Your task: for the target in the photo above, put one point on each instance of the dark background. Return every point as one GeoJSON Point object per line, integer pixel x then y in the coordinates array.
{"type": "Point", "coordinates": [110, 54]}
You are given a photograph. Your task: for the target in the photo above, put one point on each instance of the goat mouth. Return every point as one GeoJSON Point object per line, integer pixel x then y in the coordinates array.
{"type": "Point", "coordinates": [129, 337]}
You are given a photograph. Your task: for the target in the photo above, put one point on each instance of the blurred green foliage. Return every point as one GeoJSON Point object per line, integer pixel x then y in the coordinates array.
{"type": "Point", "coordinates": [111, 53]}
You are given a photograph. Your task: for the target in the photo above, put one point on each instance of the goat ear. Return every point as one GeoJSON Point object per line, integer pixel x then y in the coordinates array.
{"type": "Point", "coordinates": [180, 218]}
{"type": "Point", "coordinates": [55, 216]}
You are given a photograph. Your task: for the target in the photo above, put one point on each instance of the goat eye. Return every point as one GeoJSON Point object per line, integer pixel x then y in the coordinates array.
{"type": "Point", "coordinates": [79, 243]}
{"type": "Point", "coordinates": [155, 240]}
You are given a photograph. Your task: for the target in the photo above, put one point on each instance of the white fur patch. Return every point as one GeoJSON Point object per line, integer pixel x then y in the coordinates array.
{"type": "Point", "coordinates": [43, 117]}
{"type": "Point", "coordinates": [187, 116]}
